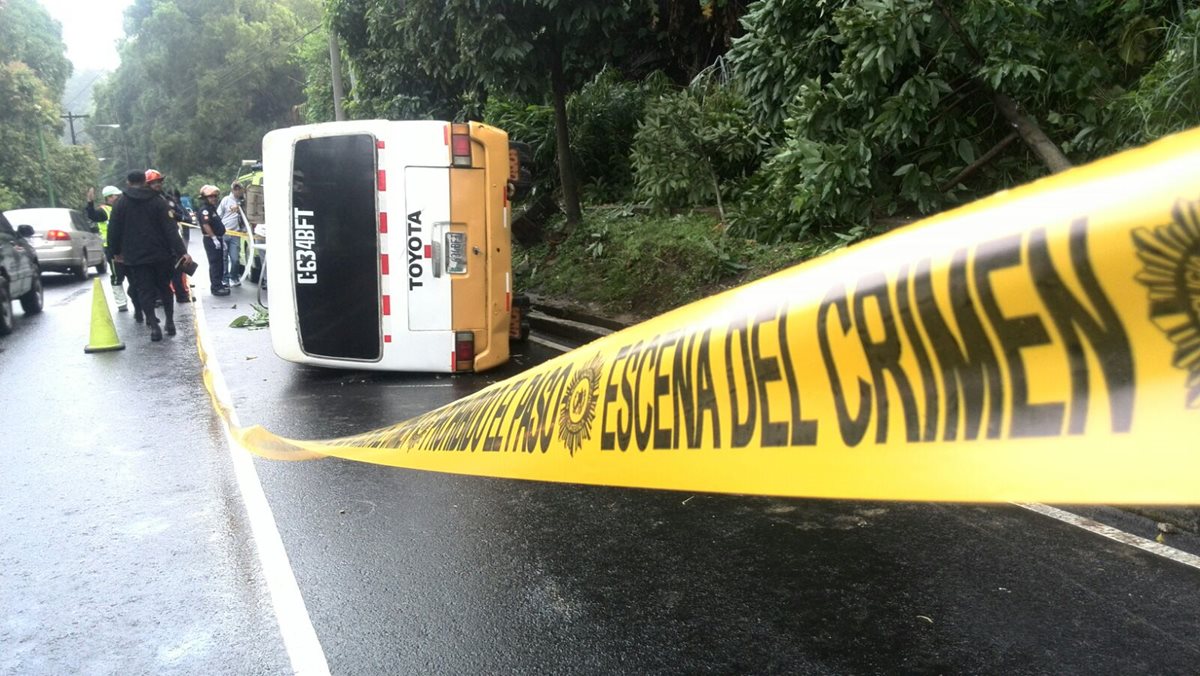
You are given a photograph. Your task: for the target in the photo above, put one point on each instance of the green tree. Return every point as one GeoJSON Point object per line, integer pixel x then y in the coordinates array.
{"type": "Point", "coordinates": [28, 34]}
{"type": "Point", "coordinates": [29, 109]}
{"type": "Point", "coordinates": [692, 144]}
{"type": "Point", "coordinates": [33, 73]}
{"type": "Point", "coordinates": [882, 107]}
{"type": "Point", "coordinates": [430, 58]}
{"type": "Point", "coordinates": [405, 58]}
{"type": "Point", "coordinates": [201, 81]}
{"type": "Point", "coordinates": [521, 46]}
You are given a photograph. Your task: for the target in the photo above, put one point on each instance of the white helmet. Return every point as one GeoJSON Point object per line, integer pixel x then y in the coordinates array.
{"type": "Point", "coordinates": [110, 190]}
{"type": "Point", "coordinates": [207, 190]}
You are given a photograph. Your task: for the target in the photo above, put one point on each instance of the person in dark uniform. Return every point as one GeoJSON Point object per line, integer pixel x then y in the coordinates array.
{"type": "Point", "coordinates": [214, 238]}
{"type": "Point", "coordinates": [179, 280]}
{"type": "Point", "coordinates": [143, 236]}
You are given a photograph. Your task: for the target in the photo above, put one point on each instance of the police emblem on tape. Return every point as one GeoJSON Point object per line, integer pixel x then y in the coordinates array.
{"type": "Point", "coordinates": [578, 407]}
{"type": "Point", "coordinates": [1171, 255]}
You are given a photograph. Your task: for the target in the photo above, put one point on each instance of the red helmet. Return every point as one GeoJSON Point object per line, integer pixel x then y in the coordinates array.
{"type": "Point", "coordinates": [153, 175]}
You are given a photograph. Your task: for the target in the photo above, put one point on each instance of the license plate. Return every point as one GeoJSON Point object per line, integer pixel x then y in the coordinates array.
{"type": "Point", "coordinates": [456, 253]}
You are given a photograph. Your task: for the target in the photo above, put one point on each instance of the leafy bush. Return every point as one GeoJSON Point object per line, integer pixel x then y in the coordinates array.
{"type": "Point", "coordinates": [1164, 101]}
{"type": "Point", "coordinates": [887, 107]}
{"type": "Point", "coordinates": [629, 262]}
{"type": "Point", "coordinates": [604, 116]}
{"type": "Point", "coordinates": [694, 147]}
{"type": "Point", "coordinates": [531, 124]}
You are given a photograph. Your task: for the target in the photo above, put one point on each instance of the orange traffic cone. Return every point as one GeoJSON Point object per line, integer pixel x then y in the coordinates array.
{"type": "Point", "coordinates": [104, 332]}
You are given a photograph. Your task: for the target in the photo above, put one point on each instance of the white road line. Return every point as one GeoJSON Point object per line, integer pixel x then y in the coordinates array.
{"type": "Point", "coordinates": [550, 344]}
{"type": "Point", "coordinates": [299, 638]}
{"type": "Point", "coordinates": [1113, 533]}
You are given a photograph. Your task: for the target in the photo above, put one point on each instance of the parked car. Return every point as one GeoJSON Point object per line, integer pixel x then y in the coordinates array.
{"type": "Point", "coordinates": [20, 276]}
{"type": "Point", "coordinates": [65, 240]}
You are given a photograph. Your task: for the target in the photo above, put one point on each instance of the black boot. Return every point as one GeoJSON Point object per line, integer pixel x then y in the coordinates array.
{"type": "Point", "coordinates": [155, 333]}
{"type": "Point", "coordinates": [170, 327]}
{"type": "Point", "coordinates": [137, 315]}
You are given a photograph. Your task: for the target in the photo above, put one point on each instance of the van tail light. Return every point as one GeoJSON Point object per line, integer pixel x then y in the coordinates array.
{"type": "Point", "coordinates": [57, 236]}
{"type": "Point", "coordinates": [460, 145]}
{"type": "Point", "coordinates": [464, 351]}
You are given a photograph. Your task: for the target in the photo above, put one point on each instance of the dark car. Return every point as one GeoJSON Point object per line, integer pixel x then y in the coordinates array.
{"type": "Point", "coordinates": [20, 276]}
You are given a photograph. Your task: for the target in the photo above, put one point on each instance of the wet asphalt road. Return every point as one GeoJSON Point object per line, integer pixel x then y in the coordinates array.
{"type": "Point", "coordinates": [125, 547]}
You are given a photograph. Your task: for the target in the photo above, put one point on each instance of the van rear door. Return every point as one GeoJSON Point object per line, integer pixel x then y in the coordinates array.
{"type": "Point", "coordinates": [427, 219]}
{"type": "Point", "coordinates": [335, 247]}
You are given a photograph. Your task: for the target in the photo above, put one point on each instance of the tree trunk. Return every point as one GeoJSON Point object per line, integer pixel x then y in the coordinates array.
{"type": "Point", "coordinates": [1030, 132]}
{"type": "Point", "coordinates": [566, 170]}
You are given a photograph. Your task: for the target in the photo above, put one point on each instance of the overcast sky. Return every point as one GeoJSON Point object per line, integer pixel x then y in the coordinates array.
{"type": "Point", "coordinates": [91, 29]}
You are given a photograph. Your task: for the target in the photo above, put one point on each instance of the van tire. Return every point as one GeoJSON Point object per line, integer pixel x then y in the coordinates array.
{"type": "Point", "coordinates": [34, 300]}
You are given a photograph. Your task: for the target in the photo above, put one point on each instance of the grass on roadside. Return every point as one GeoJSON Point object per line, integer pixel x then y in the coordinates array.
{"type": "Point", "coordinates": [624, 262]}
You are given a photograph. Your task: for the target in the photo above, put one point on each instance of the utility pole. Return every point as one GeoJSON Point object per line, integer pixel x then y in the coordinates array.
{"type": "Point", "coordinates": [335, 65]}
{"type": "Point", "coordinates": [70, 118]}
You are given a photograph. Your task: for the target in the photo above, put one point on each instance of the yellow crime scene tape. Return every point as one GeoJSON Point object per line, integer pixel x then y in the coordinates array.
{"type": "Point", "coordinates": [1042, 344]}
{"type": "Point", "coordinates": [232, 233]}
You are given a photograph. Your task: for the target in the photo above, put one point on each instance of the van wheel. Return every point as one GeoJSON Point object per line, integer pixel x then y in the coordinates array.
{"type": "Point", "coordinates": [81, 268]}
{"type": "Point", "coordinates": [6, 312]}
{"type": "Point", "coordinates": [34, 299]}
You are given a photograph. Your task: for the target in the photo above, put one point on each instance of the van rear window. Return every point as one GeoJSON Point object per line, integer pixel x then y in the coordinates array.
{"type": "Point", "coordinates": [335, 248]}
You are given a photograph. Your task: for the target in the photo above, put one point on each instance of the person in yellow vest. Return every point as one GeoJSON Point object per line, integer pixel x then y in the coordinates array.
{"type": "Point", "coordinates": [99, 216]}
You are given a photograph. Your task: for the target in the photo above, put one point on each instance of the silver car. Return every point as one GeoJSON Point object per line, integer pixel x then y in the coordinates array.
{"type": "Point", "coordinates": [64, 239]}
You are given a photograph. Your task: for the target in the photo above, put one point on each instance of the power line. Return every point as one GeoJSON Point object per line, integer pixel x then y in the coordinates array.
{"type": "Point", "coordinates": [84, 89]}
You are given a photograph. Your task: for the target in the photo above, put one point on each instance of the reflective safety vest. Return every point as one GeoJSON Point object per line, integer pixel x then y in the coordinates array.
{"type": "Point", "coordinates": [103, 225]}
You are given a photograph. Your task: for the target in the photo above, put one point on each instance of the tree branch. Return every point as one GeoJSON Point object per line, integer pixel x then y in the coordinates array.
{"type": "Point", "coordinates": [1030, 132]}
{"type": "Point", "coordinates": [980, 163]}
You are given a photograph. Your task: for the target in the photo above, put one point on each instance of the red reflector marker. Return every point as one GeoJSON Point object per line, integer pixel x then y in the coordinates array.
{"type": "Point", "coordinates": [460, 145]}
{"type": "Point", "coordinates": [57, 236]}
{"type": "Point", "coordinates": [429, 251]}
{"type": "Point", "coordinates": [383, 222]}
{"type": "Point", "coordinates": [387, 305]}
{"type": "Point", "coordinates": [464, 345]}
{"type": "Point", "coordinates": [382, 180]}
{"type": "Point", "coordinates": [387, 338]}
{"type": "Point", "coordinates": [383, 264]}
{"type": "Point", "coordinates": [379, 144]}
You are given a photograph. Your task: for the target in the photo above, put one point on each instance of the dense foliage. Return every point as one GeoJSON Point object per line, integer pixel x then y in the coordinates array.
{"type": "Point", "coordinates": [833, 116]}
{"type": "Point", "coordinates": [33, 72]}
{"type": "Point", "coordinates": [892, 106]}
{"type": "Point", "coordinates": [201, 81]}
{"type": "Point", "coordinates": [788, 119]}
